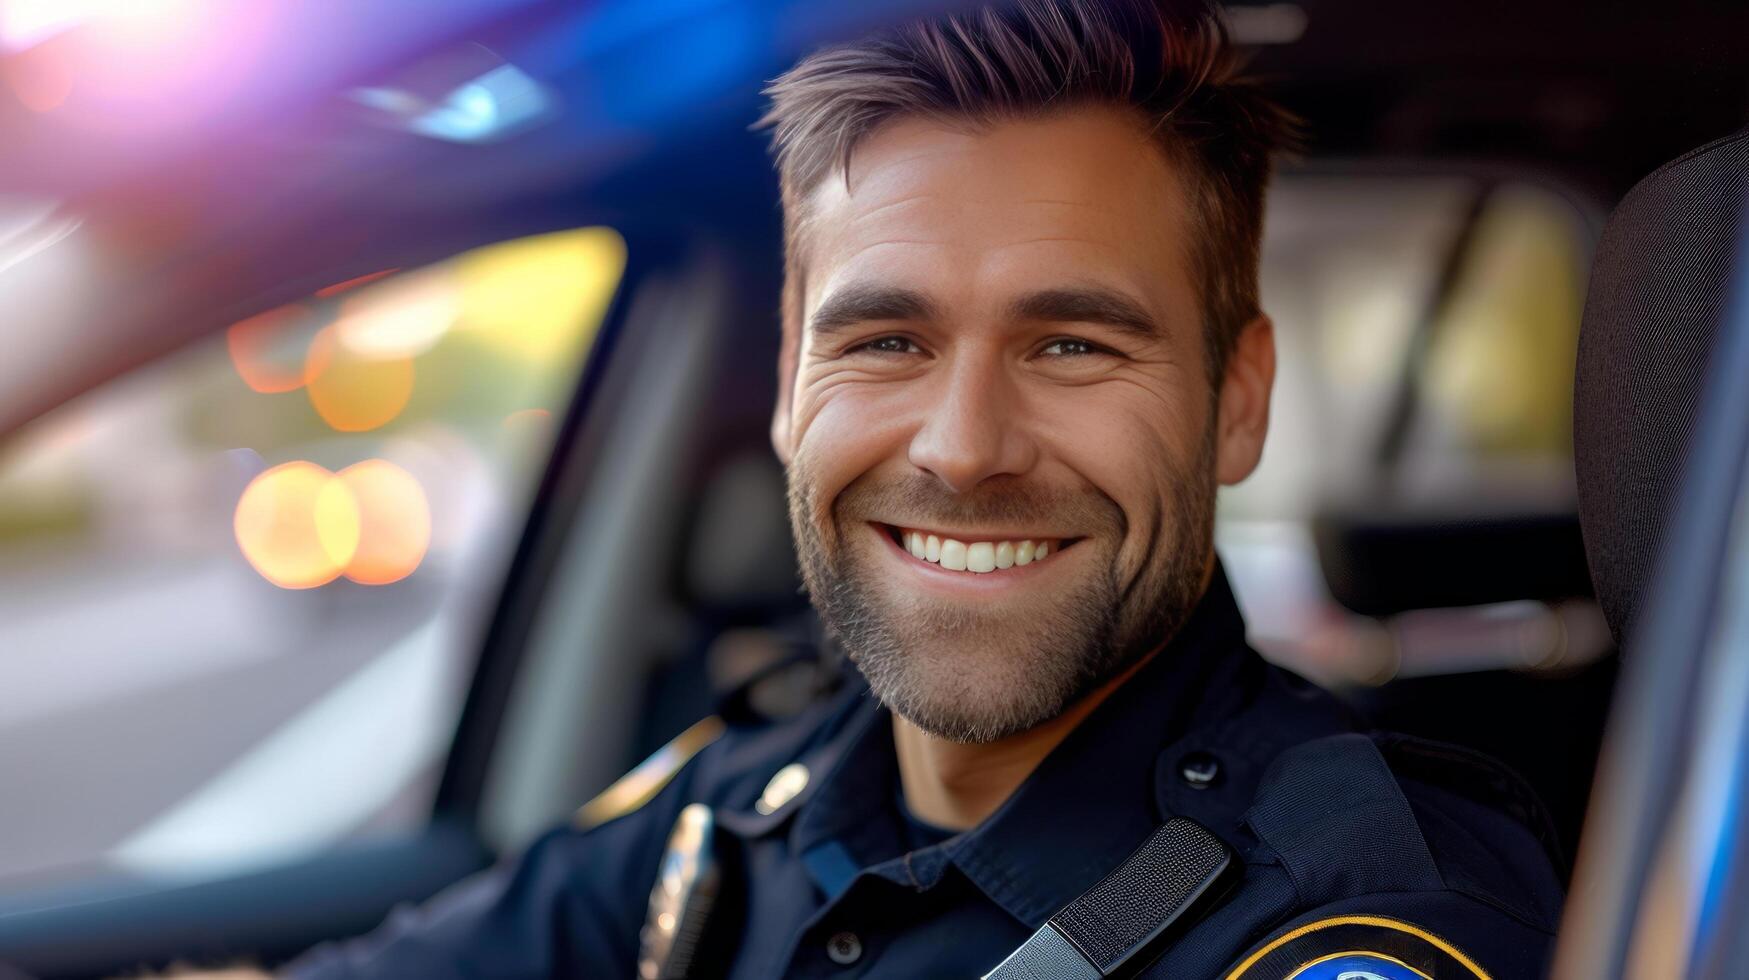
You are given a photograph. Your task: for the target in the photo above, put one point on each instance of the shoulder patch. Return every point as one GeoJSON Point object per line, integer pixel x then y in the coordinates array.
{"type": "Point", "coordinates": [640, 786]}
{"type": "Point", "coordinates": [1357, 947]}
{"type": "Point", "coordinates": [1358, 966]}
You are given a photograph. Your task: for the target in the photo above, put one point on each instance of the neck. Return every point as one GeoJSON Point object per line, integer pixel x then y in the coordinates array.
{"type": "Point", "coordinates": [955, 785]}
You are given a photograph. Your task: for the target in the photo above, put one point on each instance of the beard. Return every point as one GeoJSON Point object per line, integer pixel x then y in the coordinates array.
{"type": "Point", "coordinates": [974, 672]}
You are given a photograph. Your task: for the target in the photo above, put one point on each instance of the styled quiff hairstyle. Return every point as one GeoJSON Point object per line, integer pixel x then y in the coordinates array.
{"type": "Point", "coordinates": [1169, 63]}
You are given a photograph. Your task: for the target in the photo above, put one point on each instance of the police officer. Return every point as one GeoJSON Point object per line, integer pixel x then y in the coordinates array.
{"type": "Point", "coordinates": [1022, 347]}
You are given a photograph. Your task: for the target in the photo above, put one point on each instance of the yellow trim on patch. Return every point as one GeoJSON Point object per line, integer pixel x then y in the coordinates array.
{"type": "Point", "coordinates": [1359, 920]}
{"type": "Point", "coordinates": [640, 786]}
{"type": "Point", "coordinates": [1303, 967]}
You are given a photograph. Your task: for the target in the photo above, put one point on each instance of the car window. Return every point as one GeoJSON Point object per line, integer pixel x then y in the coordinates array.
{"type": "Point", "coordinates": [1426, 329]}
{"type": "Point", "coordinates": [241, 587]}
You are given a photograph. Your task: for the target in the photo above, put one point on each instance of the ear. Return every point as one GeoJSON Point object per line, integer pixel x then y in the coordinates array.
{"type": "Point", "coordinates": [1244, 402]}
{"type": "Point", "coordinates": [781, 429]}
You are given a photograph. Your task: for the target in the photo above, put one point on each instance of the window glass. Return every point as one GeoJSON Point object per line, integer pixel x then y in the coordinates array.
{"type": "Point", "coordinates": [1426, 330]}
{"type": "Point", "coordinates": [240, 588]}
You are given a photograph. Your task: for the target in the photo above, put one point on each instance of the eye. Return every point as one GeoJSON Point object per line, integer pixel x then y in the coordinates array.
{"type": "Point", "coordinates": [886, 345]}
{"type": "Point", "coordinates": [1071, 347]}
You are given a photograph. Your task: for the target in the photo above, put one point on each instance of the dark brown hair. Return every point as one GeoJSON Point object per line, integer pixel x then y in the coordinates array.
{"type": "Point", "coordinates": [1167, 62]}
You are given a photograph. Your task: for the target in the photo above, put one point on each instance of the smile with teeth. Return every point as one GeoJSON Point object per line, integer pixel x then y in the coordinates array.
{"type": "Point", "coordinates": [972, 556]}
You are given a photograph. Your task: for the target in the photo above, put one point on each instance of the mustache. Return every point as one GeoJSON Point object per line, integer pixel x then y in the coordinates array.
{"type": "Point", "coordinates": [920, 500]}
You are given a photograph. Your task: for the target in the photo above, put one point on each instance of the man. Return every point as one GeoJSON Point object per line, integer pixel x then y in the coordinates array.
{"type": "Point", "coordinates": [1022, 346]}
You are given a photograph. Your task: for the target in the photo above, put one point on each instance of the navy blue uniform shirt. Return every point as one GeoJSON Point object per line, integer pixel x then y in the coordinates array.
{"type": "Point", "coordinates": [1384, 850]}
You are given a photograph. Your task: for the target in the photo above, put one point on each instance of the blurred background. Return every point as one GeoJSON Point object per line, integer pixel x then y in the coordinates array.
{"type": "Point", "coordinates": [308, 510]}
{"type": "Point", "coordinates": [310, 386]}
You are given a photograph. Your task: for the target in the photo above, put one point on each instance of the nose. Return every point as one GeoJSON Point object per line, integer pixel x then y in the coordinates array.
{"type": "Point", "coordinates": [973, 428]}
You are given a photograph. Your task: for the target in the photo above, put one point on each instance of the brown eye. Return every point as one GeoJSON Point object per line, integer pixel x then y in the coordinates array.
{"type": "Point", "coordinates": [1070, 347]}
{"type": "Point", "coordinates": [887, 345]}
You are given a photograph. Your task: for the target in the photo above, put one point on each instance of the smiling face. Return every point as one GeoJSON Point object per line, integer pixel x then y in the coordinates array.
{"type": "Point", "coordinates": [1002, 439]}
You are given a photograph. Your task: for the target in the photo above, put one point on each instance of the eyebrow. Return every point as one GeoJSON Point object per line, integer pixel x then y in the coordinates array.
{"type": "Point", "coordinates": [1086, 304]}
{"type": "Point", "coordinates": [1082, 304]}
{"type": "Point", "coordinates": [864, 303]}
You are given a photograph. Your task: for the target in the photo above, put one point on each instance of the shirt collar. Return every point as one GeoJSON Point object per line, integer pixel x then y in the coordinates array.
{"type": "Point", "coordinates": [853, 807]}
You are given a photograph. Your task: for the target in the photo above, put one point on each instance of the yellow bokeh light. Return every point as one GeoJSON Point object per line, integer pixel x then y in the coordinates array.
{"type": "Point", "coordinates": [402, 317]}
{"type": "Point", "coordinates": [354, 392]}
{"type": "Point", "coordinates": [297, 525]}
{"type": "Point", "coordinates": [394, 525]}
{"type": "Point", "coordinates": [269, 351]}
{"type": "Point", "coordinates": [541, 298]}
{"type": "Point", "coordinates": [339, 522]}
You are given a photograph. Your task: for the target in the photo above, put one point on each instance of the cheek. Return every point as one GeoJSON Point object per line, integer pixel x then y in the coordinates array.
{"type": "Point", "coordinates": [847, 431]}
{"type": "Point", "coordinates": [1129, 445]}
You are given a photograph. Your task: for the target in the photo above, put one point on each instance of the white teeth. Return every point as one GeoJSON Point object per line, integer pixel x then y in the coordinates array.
{"type": "Point", "coordinates": [981, 557]}
{"type": "Point", "coordinates": [953, 555]}
{"type": "Point", "coordinates": [977, 556]}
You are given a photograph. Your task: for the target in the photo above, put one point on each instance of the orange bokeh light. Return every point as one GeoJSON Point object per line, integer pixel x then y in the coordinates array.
{"type": "Point", "coordinates": [301, 526]}
{"type": "Point", "coordinates": [394, 525]}
{"type": "Point", "coordinates": [355, 392]}
{"type": "Point", "coordinates": [41, 77]}
{"type": "Point", "coordinates": [297, 525]}
{"type": "Point", "coordinates": [268, 350]}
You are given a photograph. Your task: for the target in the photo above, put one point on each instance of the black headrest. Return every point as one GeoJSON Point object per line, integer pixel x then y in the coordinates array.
{"type": "Point", "coordinates": [1656, 300]}
{"type": "Point", "coordinates": [740, 559]}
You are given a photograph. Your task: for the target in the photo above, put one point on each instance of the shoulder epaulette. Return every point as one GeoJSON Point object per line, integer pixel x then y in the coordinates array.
{"type": "Point", "coordinates": [641, 785]}
{"type": "Point", "coordinates": [1474, 775]}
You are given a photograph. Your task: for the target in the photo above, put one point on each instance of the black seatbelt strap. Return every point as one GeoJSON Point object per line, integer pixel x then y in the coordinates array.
{"type": "Point", "coordinates": [1123, 923]}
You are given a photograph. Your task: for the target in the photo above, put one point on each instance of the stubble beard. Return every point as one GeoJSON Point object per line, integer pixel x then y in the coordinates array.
{"type": "Point", "coordinates": [977, 675]}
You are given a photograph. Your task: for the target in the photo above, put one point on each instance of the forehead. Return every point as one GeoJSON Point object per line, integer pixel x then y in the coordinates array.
{"type": "Point", "coordinates": [967, 210]}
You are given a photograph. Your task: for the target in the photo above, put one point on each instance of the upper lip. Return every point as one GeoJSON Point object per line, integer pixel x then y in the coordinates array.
{"type": "Point", "coordinates": [979, 535]}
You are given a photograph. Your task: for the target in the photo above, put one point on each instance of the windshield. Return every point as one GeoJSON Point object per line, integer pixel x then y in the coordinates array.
{"type": "Point", "coordinates": [241, 588]}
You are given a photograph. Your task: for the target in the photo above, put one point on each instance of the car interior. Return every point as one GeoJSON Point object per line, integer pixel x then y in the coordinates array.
{"type": "Point", "coordinates": [1473, 426]}
{"type": "Point", "coordinates": [1658, 426]}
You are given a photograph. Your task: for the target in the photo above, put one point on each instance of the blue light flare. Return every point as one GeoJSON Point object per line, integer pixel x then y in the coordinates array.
{"type": "Point", "coordinates": [496, 105]}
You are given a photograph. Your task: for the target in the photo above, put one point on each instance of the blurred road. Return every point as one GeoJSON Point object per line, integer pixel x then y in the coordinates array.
{"type": "Point", "coordinates": [111, 715]}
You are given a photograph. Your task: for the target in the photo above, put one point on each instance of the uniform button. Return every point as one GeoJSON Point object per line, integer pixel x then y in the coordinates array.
{"type": "Point", "coordinates": [844, 948]}
{"type": "Point", "coordinates": [1200, 770]}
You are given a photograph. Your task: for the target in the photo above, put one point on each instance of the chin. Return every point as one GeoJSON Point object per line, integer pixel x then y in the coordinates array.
{"type": "Point", "coordinates": [974, 685]}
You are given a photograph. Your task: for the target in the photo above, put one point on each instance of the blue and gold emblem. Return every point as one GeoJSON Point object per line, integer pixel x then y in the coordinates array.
{"type": "Point", "coordinates": [1357, 966]}
{"type": "Point", "coordinates": [1357, 947]}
